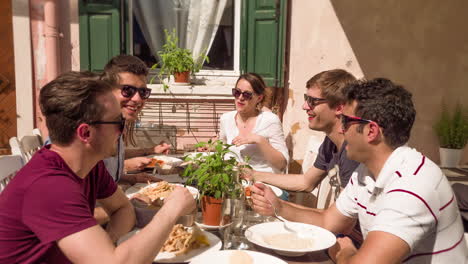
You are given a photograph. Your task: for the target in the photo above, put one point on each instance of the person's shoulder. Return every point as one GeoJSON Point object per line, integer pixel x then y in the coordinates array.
{"type": "Point", "coordinates": [417, 174]}
{"type": "Point", "coordinates": [327, 145]}
{"type": "Point", "coordinates": [418, 165]}
{"type": "Point", "coordinates": [228, 115]}
{"type": "Point", "coordinates": [270, 116]}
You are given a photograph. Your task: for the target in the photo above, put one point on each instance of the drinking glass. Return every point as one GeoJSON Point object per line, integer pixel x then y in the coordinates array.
{"type": "Point", "coordinates": [232, 219]}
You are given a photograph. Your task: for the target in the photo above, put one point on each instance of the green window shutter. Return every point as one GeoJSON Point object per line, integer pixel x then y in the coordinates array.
{"type": "Point", "coordinates": [262, 39]}
{"type": "Point", "coordinates": [99, 33]}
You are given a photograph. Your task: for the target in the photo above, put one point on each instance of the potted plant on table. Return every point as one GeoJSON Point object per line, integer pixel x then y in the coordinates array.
{"type": "Point", "coordinates": [177, 61]}
{"type": "Point", "coordinates": [452, 132]}
{"type": "Point", "coordinates": [215, 174]}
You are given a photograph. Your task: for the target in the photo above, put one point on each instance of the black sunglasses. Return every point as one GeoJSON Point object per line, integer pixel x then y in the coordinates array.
{"type": "Point", "coordinates": [237, 93]}
{"type": "Point", "coordinates": [128, 91]}
{"type": "Point", "coordinates": [313, 101]}
{"type": "Point", "coordinates": [347, 121]}
{"type": "Point", "coordinates": [121, 123]}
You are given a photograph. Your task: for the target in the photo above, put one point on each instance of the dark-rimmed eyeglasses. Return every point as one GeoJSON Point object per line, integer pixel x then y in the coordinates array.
{"type": "Point", "coordinates": [313, 101]}
{"type": "Point", "coordinates": [120, 122]}
{"type": "Point", "coordinates": [128, 91]}
{"type": "Point", "coordinates": [246, 95]}
{"type": "Point", "coordinates": [347, 121]}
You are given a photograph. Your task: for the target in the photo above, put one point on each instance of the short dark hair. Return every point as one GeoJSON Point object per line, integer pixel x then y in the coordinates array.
{"type": "Point", "coordinates": [388, 104]}
{"type": "Point", "coordinates": [331, 83]}
{"type": "Point", "coordinates": [70, 100]}
{"type": "Point", "coordinates": [123, 63]}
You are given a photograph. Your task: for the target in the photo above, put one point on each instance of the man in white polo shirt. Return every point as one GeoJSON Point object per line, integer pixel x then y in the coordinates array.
{"type": "Point", "coordinates": [404, 203]}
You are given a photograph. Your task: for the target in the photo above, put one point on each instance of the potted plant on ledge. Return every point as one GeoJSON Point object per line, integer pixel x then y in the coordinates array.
{"type": "Point", "coordinates": [177, 61]}
{"type": "Point", "coordinates": [216, 177]}
{"type": "Point", "coordinates": [452, 132]}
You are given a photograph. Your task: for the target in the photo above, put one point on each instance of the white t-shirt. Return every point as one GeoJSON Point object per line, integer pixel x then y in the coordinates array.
{"type": "Point", "coordinates": [267, 125]}
{"type": "Point", "coordinates": [411, 199]}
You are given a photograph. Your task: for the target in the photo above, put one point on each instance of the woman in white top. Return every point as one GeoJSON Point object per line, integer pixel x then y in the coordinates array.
{"type": "Point", "coordinates": [255, 133]}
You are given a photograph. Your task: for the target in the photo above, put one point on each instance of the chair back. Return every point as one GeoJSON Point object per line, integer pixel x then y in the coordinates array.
{"type": "Point", "coordinates": [26, 147]}
{"type": "Point", "coordinates": [9, 165]}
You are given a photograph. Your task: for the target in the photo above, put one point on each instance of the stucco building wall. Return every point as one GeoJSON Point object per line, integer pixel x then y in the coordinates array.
{"type": "Point", "coordinates": [415, 43]}
{"type": "Point", "coordinates": [419, 44]}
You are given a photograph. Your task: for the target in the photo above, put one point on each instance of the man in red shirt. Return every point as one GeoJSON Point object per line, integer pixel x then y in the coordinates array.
{"type": "Point", "coordinates": [47, 209]}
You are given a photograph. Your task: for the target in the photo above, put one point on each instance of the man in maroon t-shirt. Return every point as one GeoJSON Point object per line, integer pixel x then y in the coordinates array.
{"type": "Point", "coordinates": [46, 211]}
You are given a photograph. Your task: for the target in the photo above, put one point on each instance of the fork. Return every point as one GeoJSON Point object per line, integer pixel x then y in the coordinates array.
{"type": "Point", "coordinates": [286, 223]}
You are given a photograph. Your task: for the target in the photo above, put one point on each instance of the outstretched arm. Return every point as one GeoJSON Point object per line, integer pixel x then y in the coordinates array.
{"type": "Point", "coordinates": [264, 200]}
{"type": "Point", "coordinates": [121, 214]}
{"type": "Point", "coordinates": [379, 247]}
{"type": "Point", "coordinates": [161, 148]}
{"type": "Point", "coordinates": [93, 245]}
{"type": "Point", "coordinates": [292, 182]}
{"type": "Point", "coordinates": [269, 153]}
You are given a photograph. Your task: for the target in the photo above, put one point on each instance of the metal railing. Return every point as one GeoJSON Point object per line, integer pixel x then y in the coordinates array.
{"type": "Point", "coordinates": [181, 122]}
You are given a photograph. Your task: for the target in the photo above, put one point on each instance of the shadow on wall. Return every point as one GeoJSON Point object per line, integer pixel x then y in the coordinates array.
{"type": "Point", "coordinates": [413, 43]}
{"type": "Point", "coordinates": [294, 166]}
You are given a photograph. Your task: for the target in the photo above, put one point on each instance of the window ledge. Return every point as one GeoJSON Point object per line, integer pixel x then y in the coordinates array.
{"type": "Point", "coordinates": [203, 86]}
{"type": "Point", "coordinates": [192, 91]}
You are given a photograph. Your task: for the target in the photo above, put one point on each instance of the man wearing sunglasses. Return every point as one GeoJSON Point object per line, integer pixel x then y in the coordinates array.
{"type": "Point", "coordinates": [46, 211]}
{"type": "Point", "coordinates": [128, 74]}
{"type": "Point", "coordinates": [323, 104]}
{"type": "Point", "coordinates": [404, 203]}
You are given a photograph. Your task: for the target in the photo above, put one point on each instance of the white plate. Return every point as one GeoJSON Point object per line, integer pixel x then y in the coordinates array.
{"type": "Point", "coordinates": [223, 257]}
{"type": "Point", "coordinates": [322, 238]}
{"type": "Point", "coordinates": [130, 192]}
{"type": "Point", "coordinates": [167, 257]}
{"type": "Point", "coordinates": [194, 154]}
{"type": "Point", "coordinates": [168, 160]}
{"type": "Point", "coordinates": [210, 227]}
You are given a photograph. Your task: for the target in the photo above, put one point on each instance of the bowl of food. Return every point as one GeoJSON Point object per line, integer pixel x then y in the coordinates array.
{"type": "Point", "coordinates": [274, 236]}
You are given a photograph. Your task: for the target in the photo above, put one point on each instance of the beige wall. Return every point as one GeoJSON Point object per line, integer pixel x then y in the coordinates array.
{"type": "Point", "coordinates": [317, 43]}
{"type": "Point", "coordinates": [419, 44]}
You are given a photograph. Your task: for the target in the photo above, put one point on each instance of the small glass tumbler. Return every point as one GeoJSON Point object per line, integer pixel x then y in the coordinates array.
{"type": "Point", "coordinates": [233, 218]}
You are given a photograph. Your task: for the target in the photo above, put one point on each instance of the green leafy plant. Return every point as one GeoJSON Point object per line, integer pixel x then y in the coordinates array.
{"type": "Point", "coordinates": [174, 59]}
{"type": "Point", "coordinates": [452, 129]}
{"type": "Point", "coordinates": [213, 173]}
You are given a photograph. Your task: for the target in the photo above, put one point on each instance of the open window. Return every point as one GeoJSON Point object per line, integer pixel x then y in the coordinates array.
{"type": "Point", "coordinates": [239, 35]}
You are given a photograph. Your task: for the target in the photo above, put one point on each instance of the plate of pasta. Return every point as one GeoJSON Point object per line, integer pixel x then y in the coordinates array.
{"type": "Point", "coordinates": [184, 244]}
{"type": "Point", "coordinates": [155, 193]}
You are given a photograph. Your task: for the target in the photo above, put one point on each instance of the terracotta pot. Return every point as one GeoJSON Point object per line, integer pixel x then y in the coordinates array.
{"type": "Point", "coordinates": [182, 77]}
{"type": "Point", "coordinates": [211, 210]}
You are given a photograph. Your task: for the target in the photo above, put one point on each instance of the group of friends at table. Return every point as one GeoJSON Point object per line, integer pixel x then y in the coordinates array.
{"type": "Point", "coordinates": [399, 199]}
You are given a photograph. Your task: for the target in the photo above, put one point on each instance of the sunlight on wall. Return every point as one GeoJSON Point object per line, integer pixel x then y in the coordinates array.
{"type": "Point", "coordinates": [317, 43]}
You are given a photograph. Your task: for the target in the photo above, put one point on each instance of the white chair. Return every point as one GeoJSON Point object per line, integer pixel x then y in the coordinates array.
{"type": "Point", "coordinates": [328, 189]}
{"type": "Point", "coordinates": [310, 155]}
{"type": "Point", "coordinates": [26, 147]}
{"type": "Point", "coordinates": [9, 165]}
